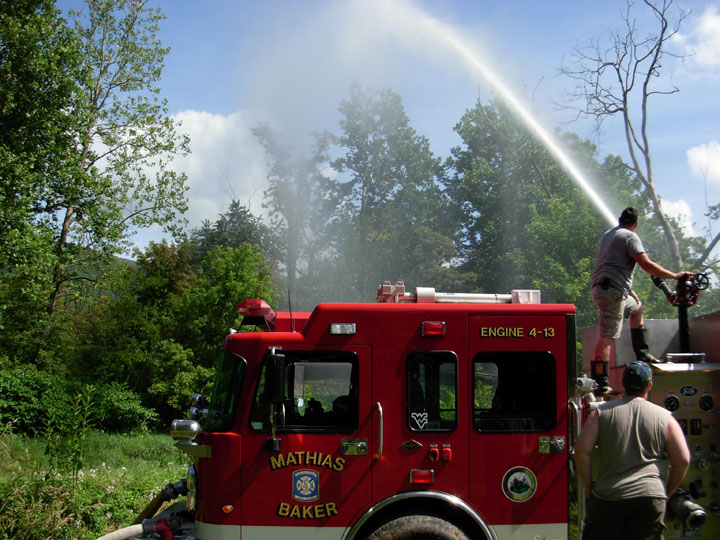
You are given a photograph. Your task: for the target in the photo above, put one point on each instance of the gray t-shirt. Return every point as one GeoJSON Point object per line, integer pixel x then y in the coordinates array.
{"type": "Point", "coordinates": [614, 259]}
{"type": "Point", "coordinates": [627, 463]}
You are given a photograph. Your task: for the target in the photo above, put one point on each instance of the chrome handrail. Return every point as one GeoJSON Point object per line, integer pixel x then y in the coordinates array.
{"type": "Point", "coordinates": [380, 431]}
{"type": "Point", "coordinates": [575, 426]}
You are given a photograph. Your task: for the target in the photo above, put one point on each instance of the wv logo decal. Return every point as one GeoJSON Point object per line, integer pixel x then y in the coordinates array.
{"type": "Point", "coordinates": [420, 419]}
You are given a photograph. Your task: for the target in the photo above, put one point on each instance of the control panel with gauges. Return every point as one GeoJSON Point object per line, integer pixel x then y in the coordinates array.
{"type": "Point", "coordinates": [691, 391]}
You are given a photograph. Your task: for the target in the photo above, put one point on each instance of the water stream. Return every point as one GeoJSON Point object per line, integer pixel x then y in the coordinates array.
{"type": "Point", "coordinates": [451, 39]}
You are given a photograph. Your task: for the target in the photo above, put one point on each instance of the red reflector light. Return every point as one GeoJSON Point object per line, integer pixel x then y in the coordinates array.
{"type": "Point", "coordinates": [228, 508]}
{"type": "Point", "coordinates": [422, 476]}
{"type": "Point", "coordinates": [433, 328]}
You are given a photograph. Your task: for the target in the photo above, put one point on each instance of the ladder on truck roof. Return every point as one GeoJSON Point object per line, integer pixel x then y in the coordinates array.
{"type": "Point", "coordinates": [395, 294]}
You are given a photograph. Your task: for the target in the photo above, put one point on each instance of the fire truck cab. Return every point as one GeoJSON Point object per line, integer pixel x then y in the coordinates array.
{"type": "Point", "coordinates": [422, 413]}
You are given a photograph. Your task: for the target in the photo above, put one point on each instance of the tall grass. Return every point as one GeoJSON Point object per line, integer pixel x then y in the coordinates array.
{"type": "Point", "coordinates": [119, 476]}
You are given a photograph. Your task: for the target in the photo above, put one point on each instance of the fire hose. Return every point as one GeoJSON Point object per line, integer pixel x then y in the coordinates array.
{"type": "Point", "coordinates": [161, 527]}
{"type": "Point", "coordinates": [168, 493]}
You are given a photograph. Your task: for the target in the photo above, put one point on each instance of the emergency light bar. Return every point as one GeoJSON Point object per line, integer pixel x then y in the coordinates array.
{"type": "Point", "coordinates": [391, 294]}
{"type": "Point", "coordinates": [257, 312]}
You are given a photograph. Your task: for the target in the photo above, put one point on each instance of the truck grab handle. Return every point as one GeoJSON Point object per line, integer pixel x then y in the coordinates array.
{"type": "Point", "coordinates": [575, 426]}
{"type": "Point", "coordinates": [380, 431]}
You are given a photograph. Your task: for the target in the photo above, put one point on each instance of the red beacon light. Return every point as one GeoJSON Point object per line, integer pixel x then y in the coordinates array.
{"type": "Point", "coordinates": [257, 312]}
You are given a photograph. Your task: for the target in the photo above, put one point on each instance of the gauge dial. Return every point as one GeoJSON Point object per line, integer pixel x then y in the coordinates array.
{"type": "Point", "coordinates": [706, 403]}
{"type": "Point", "coordinates": [672, 403]}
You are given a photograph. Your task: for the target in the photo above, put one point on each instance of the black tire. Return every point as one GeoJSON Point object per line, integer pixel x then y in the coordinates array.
{"type": "Point", "coordinates": [417, 528]}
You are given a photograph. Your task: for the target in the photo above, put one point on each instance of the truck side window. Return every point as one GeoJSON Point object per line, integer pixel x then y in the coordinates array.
{"type": "Point", "coordinates": [321, 393]}
{"type": "Point", "coordinates": [432, 391]}
{"type": "Point", "coordinates": [514, 391]}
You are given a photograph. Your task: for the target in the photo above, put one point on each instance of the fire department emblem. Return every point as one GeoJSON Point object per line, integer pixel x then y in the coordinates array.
{"type": "Point", "coordinates": [306, 485]}
{"type": "Point", "coordinates": [519, 484]}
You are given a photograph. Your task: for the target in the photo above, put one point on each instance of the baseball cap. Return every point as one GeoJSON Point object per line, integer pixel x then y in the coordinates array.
{"type": "Point", "coordinates": [629, 216]}
{"type": "Point", "coordinates": [637, 376]}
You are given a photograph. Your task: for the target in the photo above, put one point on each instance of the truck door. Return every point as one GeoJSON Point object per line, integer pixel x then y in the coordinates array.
{"type": "Point", "coordinates": [423, 429]}
{"type": "Point", "coordinates": [519, 461]}
{"type": "Point", "coordinates": [318, 480]}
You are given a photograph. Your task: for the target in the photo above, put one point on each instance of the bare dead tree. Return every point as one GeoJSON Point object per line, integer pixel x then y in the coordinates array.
{"type": "Point", "coordinates": [619, 78]}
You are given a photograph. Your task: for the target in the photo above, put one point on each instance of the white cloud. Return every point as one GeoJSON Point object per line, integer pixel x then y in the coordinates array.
{"type": "Point", "coordinates": [708, 38]}
{"type": "Point", "coordinates": [226, 163]}
{"type": "Point", "coordinates": [680, 210]}
{"type": "Point", "coordinates": [704, 161]}
{"type": "Point", "coordinates": [703, 39]}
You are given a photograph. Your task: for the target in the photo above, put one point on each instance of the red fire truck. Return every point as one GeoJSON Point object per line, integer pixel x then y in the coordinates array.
{"type": "Point", "coordinates": [424, 415]}
{"type": "Point", "coordinates": [422, 412]}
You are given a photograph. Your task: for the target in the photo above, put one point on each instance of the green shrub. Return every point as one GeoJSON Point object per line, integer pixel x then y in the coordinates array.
{"type": "Point", "coordinates": [25, 393]}
{"type": "Point", "coordinates": [28, 394]}
{"type": "Point", "coordinates": [182, 376]}
{"type": "Point", "coordinates": [119, 409]}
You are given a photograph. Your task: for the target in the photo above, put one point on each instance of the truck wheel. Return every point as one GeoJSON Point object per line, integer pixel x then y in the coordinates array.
{"type": "Point", "coordinates": [417, 528]}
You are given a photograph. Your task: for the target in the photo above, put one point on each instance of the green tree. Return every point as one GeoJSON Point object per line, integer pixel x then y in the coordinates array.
{"type": "Point", "coordinates": [292, 198]}
{"type": "Point", "coordinates": [124, 137]}
{"type": "Point", "coordinates": [159, 330]}
{"type": "Point", "coordinates": [84, 154]}
{"type": "Point", "coordinates": [235, 227]}
{"type": "Point", "coordinates": [227, 276]}
{"type": "Point", "coordinates": [39, 61]}
{"type": "Point", "coordinates": [38, 69]}
{"type": "Point", "coordinates": [194, 324]}
{"type": "Point", "coordinates": [389, 217]}
{"type": "Point", "coordinates": [522, 222]}
{"type": "Point", "coordinates": [162, 270]}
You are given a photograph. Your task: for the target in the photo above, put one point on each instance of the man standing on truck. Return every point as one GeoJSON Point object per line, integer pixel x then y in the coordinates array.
{"type": "Point", "coordinates": [611, 288]}
{"type": "Point", "coordinates": [627, 498]}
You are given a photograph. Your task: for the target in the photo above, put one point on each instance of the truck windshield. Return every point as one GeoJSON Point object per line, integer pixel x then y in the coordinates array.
{"type": "Point", "coordinates": [228, 382]}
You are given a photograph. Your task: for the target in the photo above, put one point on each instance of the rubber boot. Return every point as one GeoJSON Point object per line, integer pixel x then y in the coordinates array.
{"type": "Point", "coordinates": [599, 370]}
{"type": "Point", "coordinates": [638, 336]}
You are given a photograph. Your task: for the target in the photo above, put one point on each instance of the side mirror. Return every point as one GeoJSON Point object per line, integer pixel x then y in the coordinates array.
{"type": "Point", "coordinates": [198, 408]}
{"type": "Point", "coordinates": [276, 378]}
{"type": "Point", "coordinates": [275, 386]}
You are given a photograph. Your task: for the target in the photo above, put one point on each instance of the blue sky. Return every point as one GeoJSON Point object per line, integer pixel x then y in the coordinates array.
{"type": "Point", "coordinates": [234, 64]}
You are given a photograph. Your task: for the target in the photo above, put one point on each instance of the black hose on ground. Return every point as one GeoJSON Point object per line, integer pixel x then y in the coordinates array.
{"type": "Point", "coordinates": [168, 493]}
